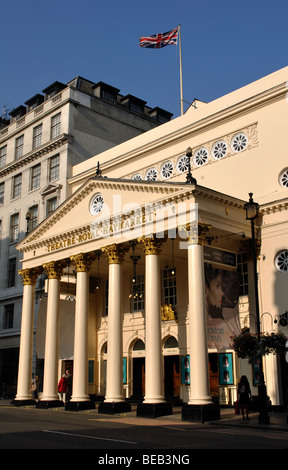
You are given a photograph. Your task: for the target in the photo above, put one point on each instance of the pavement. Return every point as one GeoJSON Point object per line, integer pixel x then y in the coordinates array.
{"type": "Point", "coordinates": [278, 420]}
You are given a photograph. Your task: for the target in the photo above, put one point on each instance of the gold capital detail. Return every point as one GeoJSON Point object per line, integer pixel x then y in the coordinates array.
{"type": "Point", "coordinates": [151, 245]}
{"type": "Point", "coordinates": [54, 269]}
{"type": "Point", "coordinates": [167, 312]}
{"type": "Point", "coordinates": [115, 253]}
{"type": "Point", "coordinates": [29, 276]}
{"type": "Point", "coordinates": [196, 233]}
{"type": "Point", "coordinates": [82, 262]}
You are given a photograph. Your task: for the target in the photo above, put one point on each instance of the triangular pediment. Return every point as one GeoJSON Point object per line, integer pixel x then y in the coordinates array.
{"type": "Point", "coordinates": [95, 202]}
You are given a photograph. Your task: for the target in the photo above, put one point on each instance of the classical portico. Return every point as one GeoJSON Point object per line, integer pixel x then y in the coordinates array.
{"type": "Point", "coordinates": [104, 217]}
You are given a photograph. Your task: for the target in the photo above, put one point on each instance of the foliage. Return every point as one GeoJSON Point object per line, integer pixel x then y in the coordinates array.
{"type": "Point", "coordinates": [248, 345]}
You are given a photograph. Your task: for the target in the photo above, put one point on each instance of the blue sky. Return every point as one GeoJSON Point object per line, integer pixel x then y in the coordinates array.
{"type": "Point", "coordinates": [225, 45]}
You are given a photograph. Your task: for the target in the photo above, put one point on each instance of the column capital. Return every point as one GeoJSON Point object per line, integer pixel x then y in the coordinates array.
{"type": "Point", "coordinates": [196, 232]}
{"type": "Point", "coordinates": [29, 276]}
{"type": "Point", "coordinates": [152, 245]}
{"type": "Point", "coordinates": [54, 269]}
{"type": "Point", "coordinates": [115, 253]}
{"type": "Point", "coordinates": [82, 262]}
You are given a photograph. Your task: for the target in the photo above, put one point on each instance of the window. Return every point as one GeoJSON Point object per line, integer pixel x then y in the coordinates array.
{"type": "Point", "coordinates": [37, 136]}
{"type": "Point", "coordinates": [33, 211]}
{"type": "Point", "coordinates": [11, 282]}
{"type": "Point", "coordinates": [55, 126]}
{"type": "Point", "coordinates": [51, 205]}
{"type": "Point", "coordinates": [8, 316]}
{"type": "Point", "coordinates": [138, 293]}
{"type": "Point", "coordinates": [169, 286]}
{"type": "Point", "coordinates": [54, 165]}
{"type": "Point", "coordinates": [16, 186]}
{"type": "Point", "coordinates": [14, 227]}
{"type": "Point", "coordinates": [19, 145]}
{"type": "Point", "coordinates": [242, 268]}
{"type": "Point", "coordinates": [35, 177]}
{"type": "Point", "coordinates": [3, 152]}
{"type": "Point", "coordinates": [2, 188]}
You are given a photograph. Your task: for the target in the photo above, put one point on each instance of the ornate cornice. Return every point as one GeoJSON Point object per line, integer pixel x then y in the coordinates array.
{"type": "Point", "coordinates": [52, 145]}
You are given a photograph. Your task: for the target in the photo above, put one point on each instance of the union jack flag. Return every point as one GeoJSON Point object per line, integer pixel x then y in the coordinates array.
{"type": "Point", "coordinates": [159, 40]}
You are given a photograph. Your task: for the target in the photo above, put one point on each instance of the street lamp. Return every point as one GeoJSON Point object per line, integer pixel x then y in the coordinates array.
{"type": "Point", "coordinates": [252, 212]}
{"type": "Point", "coordinates": [189, 177]}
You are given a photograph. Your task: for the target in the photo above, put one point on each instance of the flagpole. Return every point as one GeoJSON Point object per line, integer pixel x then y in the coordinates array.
{"type": "Point", "coordinates": [181, 81]}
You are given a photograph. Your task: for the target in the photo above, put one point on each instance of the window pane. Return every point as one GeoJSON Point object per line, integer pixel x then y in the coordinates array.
{"type": "Point", "coordinates": [55, 126]}
{"type": "Point", "coordinates": [19, 147]}
{"type": "Point", "coordinates": [14, 227]}
{"type": "Point", "coordinates": [54, 168]}
{"type": "Point", "coordinates": [35, 177]}
{"type": "Point", "coordinates": [3, 152]}
{"type": "Point", "coordinates": [37, 136]}
{"type": "Point", "coordinates": [17, 184]}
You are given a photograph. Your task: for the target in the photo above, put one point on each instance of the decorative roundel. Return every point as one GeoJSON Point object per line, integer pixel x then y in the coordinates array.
{"type": "Point", "coordinates": [219, 149]}
{"type": "Point", "coordinates": [137, 176]}
{"type": "Point", "coordinates": [284, 178]}
{"type": "Point", "coordinates": [166, 170]}
{"type": "Point", "coordinates": [281, 261]}
{"type": "Point", "coordinates": [182, 164]}
{"type": "Point", "coordinates": [151, 174]}
{"type": "Point", "coordinates": [239, 142]}
{"type": "Point", "coordinates": [96, 204]}
{"type": "Point", "coordinates": [201, 157]}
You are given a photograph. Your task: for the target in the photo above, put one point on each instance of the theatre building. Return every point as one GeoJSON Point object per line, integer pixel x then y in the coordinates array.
{"type": "Point", "coordinates": [148, 263]}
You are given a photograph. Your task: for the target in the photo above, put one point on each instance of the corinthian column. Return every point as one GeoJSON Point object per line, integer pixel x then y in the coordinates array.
{"type": "Point", "coordinates": [154, 403]}
{"type": "Point", "coordinates": [49, 397]}
{"type": "Point", "coordinates": [200, 406]}
{"type": "Point", "coordinates": [80, 399]}
{"type": "Point", "coordinates": [24, 397]}
{"type": "Point", "coordinates": [114, 399]}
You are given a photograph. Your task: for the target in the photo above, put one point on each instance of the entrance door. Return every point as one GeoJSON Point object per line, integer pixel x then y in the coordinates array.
{"type": "Point", "coordinates": [213, 375]}
{"type": "Point", "coordinates": [138, 377]}
{"type": "Point", "coordinates": [172, 376]}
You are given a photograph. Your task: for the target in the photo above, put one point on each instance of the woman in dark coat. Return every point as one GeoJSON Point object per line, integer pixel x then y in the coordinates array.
{"type": "Point", "coordinates": [244, 394]}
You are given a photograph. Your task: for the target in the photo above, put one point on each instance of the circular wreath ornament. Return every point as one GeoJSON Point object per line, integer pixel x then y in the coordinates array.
{"type": "Point", "coordinates": [239, 142]}
{"type": "Point", "coordinates": [137, 177]}
{"type": "Point", "coordinates": [166, 170]}
{"type": "Point", "coordinates": [183, 164]}
{"type": "Point", "coordinates": [201, 157]}
{"type": "Point", "coordinates": [96, 204]}
{"type": "Point", "coordinates": [249, 346]}
{"type": "Point", "coordinates": [281, 261]}
{"type": "Point", "coordinates": [219, 149]}
{"type": "Point", "coordinates": [284, 178]}
{"type": "Point", "coordinates": [151, 174]}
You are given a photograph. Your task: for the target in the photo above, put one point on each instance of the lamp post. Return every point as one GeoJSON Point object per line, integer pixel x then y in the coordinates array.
{"type": "Point", "coordinates": [252, 212]}
{"type": "Point", "coordinates": [189, 177]}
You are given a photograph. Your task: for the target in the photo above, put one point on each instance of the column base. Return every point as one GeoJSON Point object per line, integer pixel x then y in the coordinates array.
{"type": "Point", "coordinates": [23, 402]}
{"type": "Point", "coordinates": [111, 408]}
{"type": "Point", "coordinates": [79, 405]}
{"type": "Point", "coordinates": [201, 413]}
{"type": "Point", "coordinates": [154, 410]}
{"type": "Point", "coordinates": [45, 404]}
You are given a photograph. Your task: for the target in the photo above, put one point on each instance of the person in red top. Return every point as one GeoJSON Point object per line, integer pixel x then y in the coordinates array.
{"type": "Point", "coordinates": [62, 388]}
